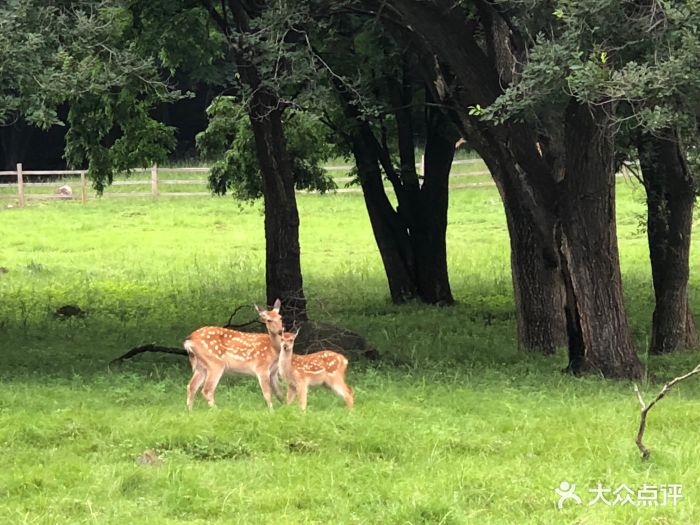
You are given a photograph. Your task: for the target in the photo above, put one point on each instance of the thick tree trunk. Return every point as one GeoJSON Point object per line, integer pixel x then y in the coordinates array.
{"type": "Point", "coordinates": [670, 199]}
{"type": "Point", "coordinates": [537, 284]}
{"type": "Point", "coordinates": [282, 254]}
{"type": "Point", "coordinates": [536, 273]}
{"type": "Point", "coordinates": [600, 340]}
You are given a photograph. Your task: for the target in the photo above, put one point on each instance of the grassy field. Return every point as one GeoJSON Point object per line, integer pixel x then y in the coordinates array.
{"type": "Point", "coordinates": [468, 431]}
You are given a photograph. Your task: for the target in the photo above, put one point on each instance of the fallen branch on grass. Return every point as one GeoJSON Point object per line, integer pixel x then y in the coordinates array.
{"type": "Point", "coordinates": [314, 336]}
{"type": "Point", "coordinates": [171, 350]}
{"type": "Point", "coordinates": [645, 408]}
{"type": "Point", "coordinates": [148, 348]}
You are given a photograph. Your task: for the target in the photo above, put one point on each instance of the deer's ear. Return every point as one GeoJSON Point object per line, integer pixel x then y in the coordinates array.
{"type": "Point", "coordinates": [257, 309]}
{"type": "Point", "coordinates": [278, 304]}
{"type": "Point", "coordinates": [296, 333]}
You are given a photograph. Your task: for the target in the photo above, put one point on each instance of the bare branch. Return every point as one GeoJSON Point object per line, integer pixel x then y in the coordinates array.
{"type": "Point", "coordinates": [645, 408]}
{"type": "Point", "coordinates": [238, 308]}
{"type": "Point", "coordinates": [148, 348]}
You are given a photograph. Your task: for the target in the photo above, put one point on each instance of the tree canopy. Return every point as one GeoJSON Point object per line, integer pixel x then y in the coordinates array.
{"type": "Point", "coordinates": [525, 82]}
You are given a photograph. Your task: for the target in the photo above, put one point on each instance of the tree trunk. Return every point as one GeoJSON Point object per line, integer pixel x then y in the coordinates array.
{"type": "Point", "coordinates": [536, 273]}
{"type": "Point", "coordinates": [391, 238]}
{"type": "Point", "coordinates": [423, 208]}
{"type": "Point", "coordinates": [282, 254]}
{"type": "Point", "coordinates": [670, 200]}
{"type": "Point", "coordinates": [411, 239]}
{"type": "Point", "coordinates": [428, 229]}
{"type": "Point", "coordinates": [599, 337]}
{"type": "Point", "coordinates": [537, 284]}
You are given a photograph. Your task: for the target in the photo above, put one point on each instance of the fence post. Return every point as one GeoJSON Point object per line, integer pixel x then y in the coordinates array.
{"type": "Point", "coordinates": [20, 185]}
{"type": "Point", "coordinates": [154, 180]}
{"type": "Point", "coordinates": [83, 187]}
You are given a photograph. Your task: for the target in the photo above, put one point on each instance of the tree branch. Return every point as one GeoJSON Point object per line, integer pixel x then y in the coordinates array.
{"type": "Point", "coordinates": [645, 408]}
{"type": "Point", "coordinates": [173, 350]}
{"type": "Point", "coordinates": [235, 311]}
{"type": "Point", "coordinates": [216, 16]}
{"type": "Point", "coordinates": [148, 348]}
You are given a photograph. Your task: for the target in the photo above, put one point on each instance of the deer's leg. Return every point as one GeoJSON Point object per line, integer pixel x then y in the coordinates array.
{"type": "Point", "coordinates": [195, 383]}
{"type": "Point", "coordinates": [344, 391]}
{"type": "Point", "coordinates": [291, 393]}
{"type": "Point", "coordinates": [275, 381]}
{"type": "Point", "coordinates": [302, 389]}
{"type": "Point", "coordinates": [210, 384]}
{"type": "Point", "coordinates": [264, 380]}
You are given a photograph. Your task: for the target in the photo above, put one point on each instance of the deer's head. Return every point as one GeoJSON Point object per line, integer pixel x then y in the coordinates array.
{"type": "Point", "coordinates": [271, 318]}
{"type": "Point", "coordinates": [288, 341]}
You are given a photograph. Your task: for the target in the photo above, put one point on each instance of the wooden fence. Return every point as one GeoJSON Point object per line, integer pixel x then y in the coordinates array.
{"type": "Point", "coordinates": [155, 181]}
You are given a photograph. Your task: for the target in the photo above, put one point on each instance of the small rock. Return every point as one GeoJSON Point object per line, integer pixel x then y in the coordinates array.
{"type": "Point", "coordinates": [69, 310]}
{"type": "Point", "coordinates": [65, 191]}
{"type": "Point", "coordinates": [3, 269]}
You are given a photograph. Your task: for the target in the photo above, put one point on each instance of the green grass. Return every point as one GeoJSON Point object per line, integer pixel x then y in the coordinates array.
{"type": "Point", "coordinates": [467, 431]}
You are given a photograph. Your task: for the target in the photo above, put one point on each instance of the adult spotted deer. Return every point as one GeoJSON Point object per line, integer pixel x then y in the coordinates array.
{"type": "Point", "coordinates": [213, 350]}
{"type": "Point", "coordinates": [301, 371]}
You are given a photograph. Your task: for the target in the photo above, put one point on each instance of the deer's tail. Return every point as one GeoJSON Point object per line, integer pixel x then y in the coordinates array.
{"type": "Point", "coordinates": [189, 346]}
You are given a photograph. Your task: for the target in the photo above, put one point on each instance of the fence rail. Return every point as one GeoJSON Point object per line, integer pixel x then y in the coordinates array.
{"type": "Point", "coordinates": [155, 182]}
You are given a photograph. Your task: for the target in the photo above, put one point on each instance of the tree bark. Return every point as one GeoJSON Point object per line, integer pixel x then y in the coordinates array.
{"type": "Point", "coordinates": [537, 279]}
{"type": "Point", "coordinates": [537, 285]}
{"type": "Point", "coordinates": [283, 277]}
{"type": "Point", "coordinates": [670, 193]}
{"type": "Point", "coordinates": [391, 238]}
{"type": "Point", "coordinates": [600, 340]}
{"type": "Point", "coordinates": [429, 229]}
{"type": "Point", "coordinates": [410, 238]}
